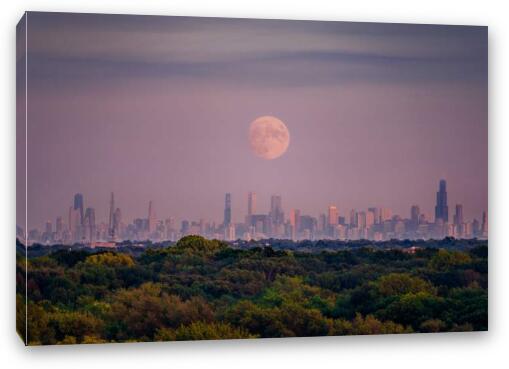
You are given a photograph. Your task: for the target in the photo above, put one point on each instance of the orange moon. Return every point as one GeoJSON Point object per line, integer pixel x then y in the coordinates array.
{"type": "Point", "coordinates": [268, 137]}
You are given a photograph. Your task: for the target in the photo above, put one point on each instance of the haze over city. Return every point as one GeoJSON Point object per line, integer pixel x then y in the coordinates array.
{"type": "Point", "coordinates": [376, 115]}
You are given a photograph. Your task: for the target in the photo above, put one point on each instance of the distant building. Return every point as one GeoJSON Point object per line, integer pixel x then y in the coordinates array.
{"type": "Point", "coordinates": [441, 208]}
{"type": "Point", "coordinates": [59, 225]}
{"type": "Point", "coordinates": [184, 229]}
{"type": "Point", "coordinates": [376, 214]}
{"type": "Point", "coordinates": [333, 215]}
{"type": "Point", "coordinates": [361, 219]}
{"type": "Point", "coordinates": [227, 209]}
{"type": "Point", "coordinates": [111, 224]}
{"type": "Point", "coordinates": [78, 205]}
{"type": "Point", "coordinates": [415, 214]}
{"type": "Point", "coordinates": [151, 220]}
{"type": "Point", "coordinates": [295, 223]}
{"type": "Point", "coordinates": [276, 210]}
{"type": "Point", "coordinates": [385, 214]}
{"type": "Point", "coordinates": [458, 215]}
{"type": "Point", "coordinates": [251, 203]}
{"type": "Point", "coordinates": [117, 221]}
{"type": "Point", "coordinates": [89, 225]}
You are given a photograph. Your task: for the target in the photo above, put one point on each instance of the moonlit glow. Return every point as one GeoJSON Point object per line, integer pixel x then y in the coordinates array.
{"type": "Point", "coordinates": [268, 137]}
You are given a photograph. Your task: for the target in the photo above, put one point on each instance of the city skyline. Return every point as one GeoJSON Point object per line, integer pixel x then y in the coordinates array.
{"type": "Point", "coordinates": [376, 114]}
{"type": "Point", "coordinates": [240, 208]}
{"type": "Point", "coordinates": [277, 223]}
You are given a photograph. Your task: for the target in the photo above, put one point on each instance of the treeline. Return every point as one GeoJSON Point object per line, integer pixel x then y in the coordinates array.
{"type": "Point", "coordinates": [201, 289]}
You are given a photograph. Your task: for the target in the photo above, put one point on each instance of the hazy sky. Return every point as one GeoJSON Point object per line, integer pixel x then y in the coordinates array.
{"type": "Point", "coordinates": [158, 108]}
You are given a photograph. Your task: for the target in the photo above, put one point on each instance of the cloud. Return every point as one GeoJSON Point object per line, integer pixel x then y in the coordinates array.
{"type": "Point", "coordinates": [71, 48]}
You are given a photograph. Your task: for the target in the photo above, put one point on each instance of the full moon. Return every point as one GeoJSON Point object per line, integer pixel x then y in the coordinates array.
{"type": "Point", "coordinates": [268, 137]}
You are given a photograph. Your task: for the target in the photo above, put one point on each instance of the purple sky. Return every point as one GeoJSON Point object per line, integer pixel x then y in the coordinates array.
{"type": "Point", "coordinates": [158, 108]}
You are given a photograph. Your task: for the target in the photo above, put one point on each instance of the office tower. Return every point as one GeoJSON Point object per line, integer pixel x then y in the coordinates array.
{"type": "Point", "coordinates": [59, 225]}
{"type": "Point", "coordinates": [251, 208]}
{"type": "Point", "coordinates": [361, 219]}
{"type": "Point", "coordinates": [484, 225]}
{"type": "Point", "coordinates": [476, 228]}
{"type": "Point", "coordinates": [276, 210]}
{"type": "Point", "coordinates": [441, 209]}
{"type": "Point", "coordinates": [458, 216]}
{"type": "Point", "coordinates": [415, 214]}
{"type": "Point", "coordinates": [352, 220]}
{"type": "Point", "coordinates": [111, 225]}
{"type": "Point", "coordinates": [333, 216]}
{"type": "Point", "coordinates": [78, 205]}
{"type": "Point", "coordinates": [184, 229]}
{"type": "Point", "coordinates": [376, 214]}
{"type": "Point", "coordinates": [117, 220]}
{"type": "Point", "coordinates": [89, 224]}
{"type": "Point", "coordinates": [295, 217]}
{"type": "Point", "coordinates": [370, 219]}
{"type": "Point", "coordinates": [295, 222]}
{"type": "Point", "coordinates": [251, 203]}
{"type": "Point", "coordinates": [151, 220]}
{"type": "Point", "coordinates": [322, 223]}
{"type": "Point", "coordinates": [227, 209]}
{"type": "Point", "coordinates": [385, 214]}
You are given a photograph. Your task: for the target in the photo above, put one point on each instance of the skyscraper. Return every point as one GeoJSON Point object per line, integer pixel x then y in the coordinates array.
{"type": "Point", "coordinates": [78, 205]}
{"type": "Point", "coordinates": [117, 220]}
{"type": "Point", "coordinates": [59, 225]}
{"type": "Point", "coordinates": [227, 209]}
{"type": "Point", "coordinates": [111, 225]}
{"type": "Point", "coordinates": [376, 214]}
{"type": "Point", "coordinates": [353, 218]}
{"type": "Point", "coordinates": [89, 224]}
{"type": "Point", "coordinates": [458, 215]}
{"type": "Point", "coordinates": [361, 219]}
{"type": "Point", "coordinates": [385, 214]}
{"type": "Point", "coordinates": [276, 210]}
{"type": "Point", "coordinates": [151, 221]}
{"type": "Point", "coordinates": [295, 219]}
{"type": "Point", "coordinates": [415, 215]}
{"type": "Point", "coordinates": [78, 214]}
{"type": "Point", "coordinates": [333, 215]}
{"type": "Point", "coordinates": [441, 209]}
{"type": "Point", "coordinates": [49, 227]}
{"type": "Point", "coordinates": [322, 223]}
{"type": "Point", "coordinates": [251, 203]}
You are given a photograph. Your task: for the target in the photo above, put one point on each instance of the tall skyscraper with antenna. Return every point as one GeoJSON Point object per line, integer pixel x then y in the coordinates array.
{"type": "Point", "coordinates": [441, 208]}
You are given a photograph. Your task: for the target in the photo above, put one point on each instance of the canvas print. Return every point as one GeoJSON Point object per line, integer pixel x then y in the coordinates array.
{"type": "Point", "coordinates": [190, 178]}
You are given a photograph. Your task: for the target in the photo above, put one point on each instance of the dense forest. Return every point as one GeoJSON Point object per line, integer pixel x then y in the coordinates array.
{"type": "Point", "coordinates": [205, 289]}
